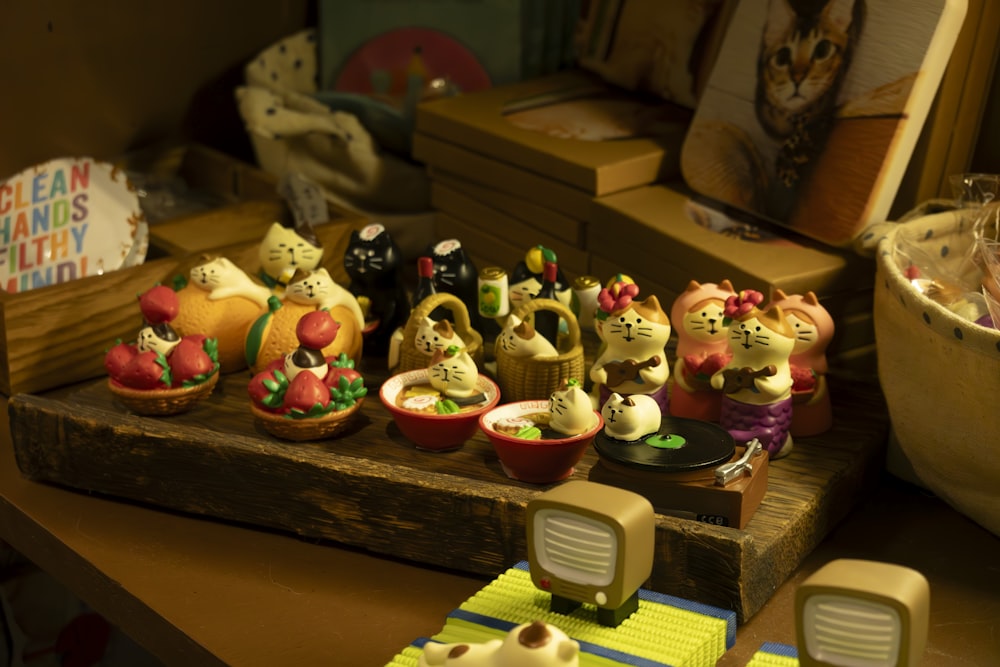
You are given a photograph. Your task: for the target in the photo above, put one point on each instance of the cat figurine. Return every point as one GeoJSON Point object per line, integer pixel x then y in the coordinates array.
{"type": "Point", "coordinates": [702, 349]}
{"type": "Point", "coordinates": [434, 335]}
{"type": "Point", "coordinates": [805, 52]}
{"type": "Point", "coordinates": [455, 273]}
{"type": "Point", "coordinates": [534, 644]}
{"type": "Point", "coordinates": [812, 412]}
{"type": "Point", "coordinates": [222, 279]}
{"type": "Point", "coordinates": [525, 280]}
{"type": "Point", "coordinates": [453, 372]}
{"type": "Point", "coordinates": [283, 251]}
{"type": "Point", "coordinates": [631, 418]}
{"type": "Point", "coordinates": [318, 288]}
{"type": "Point", "coordinates": [570, 409]}
{"type": "Point", "coordinates": [374, 264]}
{"type": "Point", "coordinates": [519, 339]}
{"type": "Point", "coordinates": [633, 359]}
{"type": "Point", "coordinates": [757, 381]}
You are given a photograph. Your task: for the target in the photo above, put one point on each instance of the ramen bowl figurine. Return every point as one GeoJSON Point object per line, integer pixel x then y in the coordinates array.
{"type": "Point", "coordinates": [529, 448]}
{"type": "Point", "coordinates": [431, 419]}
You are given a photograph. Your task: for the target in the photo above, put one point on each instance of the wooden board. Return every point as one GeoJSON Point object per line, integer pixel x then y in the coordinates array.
{"type": "Point", "coordinates": [371, 488]}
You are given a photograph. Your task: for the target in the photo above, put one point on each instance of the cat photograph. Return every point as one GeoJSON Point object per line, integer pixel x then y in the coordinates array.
{"type": "Point", "coordinates": [807, 119]}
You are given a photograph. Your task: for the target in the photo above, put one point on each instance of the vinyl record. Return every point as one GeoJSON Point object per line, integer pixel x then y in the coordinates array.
{"type": "Point", "coordinates": [681, 445]}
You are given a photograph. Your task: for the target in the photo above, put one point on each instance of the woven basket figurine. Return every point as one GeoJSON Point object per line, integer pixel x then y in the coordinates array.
{"type": "Point", "coordinates": [319, 428]}
{"type": "Point", "coordinates": [530, 378]}
{"type": "Point", "coordinates": [410, 358]}
{"type": "Point", "coordinates": [162, 402]}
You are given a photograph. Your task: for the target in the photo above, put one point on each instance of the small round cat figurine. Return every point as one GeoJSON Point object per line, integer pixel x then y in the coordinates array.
{"type": "Point", "coordinates": [633, 360]}
{"type": "Point", "coordinates": [631, 418]}
{"type": "Point", "coordinates": [757, 382]}
{"type": "Point", "coordinates": [453, 372]}
{"type": "Point", "coordinates": [702, 349]}
{"type": "Point", "coordinates": [283, 251]}
{"type": "Point", "coordinates": [519, 339]}
{"type": "Point", "coordinates": [812, 412]}
{"type": "Point", "coordinates": [534, 644]}
{"type": "Point", "coordinates": [570, 409]}
{"type": "Point", "coordinates": [374, 264]}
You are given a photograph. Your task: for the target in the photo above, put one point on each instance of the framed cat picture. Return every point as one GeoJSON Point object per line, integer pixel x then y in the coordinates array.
{"type": "Point", "coordinates": [813, 109]}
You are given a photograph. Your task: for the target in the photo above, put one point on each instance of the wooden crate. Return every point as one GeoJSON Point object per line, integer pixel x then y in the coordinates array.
{"type": "Point", "coordinates": [57, 335]}
{"type": "Point", "coordinates": [372, 489]}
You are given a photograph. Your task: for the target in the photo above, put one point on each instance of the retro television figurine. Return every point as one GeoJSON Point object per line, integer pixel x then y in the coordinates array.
{"type": "Point", "coordinates": [591, 543]}
{"type": "Point", "coordinates": [860, 613]}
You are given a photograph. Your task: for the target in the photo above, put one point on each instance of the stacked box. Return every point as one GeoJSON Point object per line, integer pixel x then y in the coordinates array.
{"type": "Point", "coordinates": [520, 165]}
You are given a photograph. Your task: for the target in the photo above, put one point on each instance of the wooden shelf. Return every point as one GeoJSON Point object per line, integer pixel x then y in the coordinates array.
{"type": "Point", "coordinates": [371, 488]}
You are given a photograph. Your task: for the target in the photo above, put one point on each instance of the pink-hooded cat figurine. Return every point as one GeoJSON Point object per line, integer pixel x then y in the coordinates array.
{"type": "Point", "coordinates": [812, 412]}
{"type": "Point", "coordinates": [702, 349]}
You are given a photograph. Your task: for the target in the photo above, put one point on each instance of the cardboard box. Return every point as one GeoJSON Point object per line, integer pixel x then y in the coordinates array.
{"type": "Point", "coordinates": [570, 127]}
{"type": "Point", "coordinates": [444, 156]}
{"type": "Point", "coordinates": [651, 230]}
{"type": "Point", "coordinates": [558, 224]}
{"type": "Point", "coordinates": [57, 335]}
{"type": "Point", "coordinates": [506, 228]}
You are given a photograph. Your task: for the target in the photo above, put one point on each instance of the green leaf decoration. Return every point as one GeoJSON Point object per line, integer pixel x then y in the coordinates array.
{"type": "Point", "coordinates": [343, 361]}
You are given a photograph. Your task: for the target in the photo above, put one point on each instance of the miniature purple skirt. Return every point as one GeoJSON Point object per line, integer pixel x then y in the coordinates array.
{"type": "Point", "coordinates": [768, 423]}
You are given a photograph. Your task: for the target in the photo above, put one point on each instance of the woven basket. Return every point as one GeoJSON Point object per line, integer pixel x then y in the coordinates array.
{"type": "Point", "coordinates": [411, 359]}
{"type": "Point", "coordinates": [286, 428]}
{"type": "Point", "coordinates": [940, 374]}
{"type": "Point", "coordinates": [162, 402]}
{"type": "Point", "coordinates": [529, 378]}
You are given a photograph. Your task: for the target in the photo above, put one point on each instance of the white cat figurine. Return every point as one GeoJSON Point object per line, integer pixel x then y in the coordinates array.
{"type": "Point", "coordinates": [453, 372]}
{"type": "Point", "coordinates": [535, 644]}
{"type": "Point", "coordinates": [223, 279]}
{"type": "Point", "coordinates": [570, 410]}
{"type": "Point", "coordinates": [433, 335]}
{"type": "Point", "coordinates": [317, 287]}
{"type": "Point", "coordinates": [519, 339]}
{"type": "Point", "coordinates": [630, 418]}
{"type": "Point", "coordinates": [283, 251]}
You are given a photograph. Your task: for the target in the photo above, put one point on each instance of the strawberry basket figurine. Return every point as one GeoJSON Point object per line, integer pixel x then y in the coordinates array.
{"type": "Point", "coordinates": [305, 395]}
{"type": "Point", "coordinates": [162, 373]}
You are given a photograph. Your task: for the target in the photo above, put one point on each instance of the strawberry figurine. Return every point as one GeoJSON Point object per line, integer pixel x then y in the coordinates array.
{"type": "Point", "coordinates": [161, 372]}
{"type": "Point", "coordinates": [302, 396]}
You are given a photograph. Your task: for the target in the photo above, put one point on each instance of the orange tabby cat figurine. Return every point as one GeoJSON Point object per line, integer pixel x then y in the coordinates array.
{"type": "Point", "coordinates": [702, 349]}
{"type": "Point", "coordinates": [812, 413]}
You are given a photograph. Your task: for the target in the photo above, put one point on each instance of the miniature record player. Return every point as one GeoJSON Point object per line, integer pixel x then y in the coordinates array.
{"type": "Point", "coordinates": [691, 469]}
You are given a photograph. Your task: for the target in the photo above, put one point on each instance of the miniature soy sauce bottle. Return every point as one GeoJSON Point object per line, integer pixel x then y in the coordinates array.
{"type": "Point", "coordinates": [547, 321]}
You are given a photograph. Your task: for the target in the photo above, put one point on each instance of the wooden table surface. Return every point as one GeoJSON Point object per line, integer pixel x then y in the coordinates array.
{"type": "Point", "coordinates": [197, 591]}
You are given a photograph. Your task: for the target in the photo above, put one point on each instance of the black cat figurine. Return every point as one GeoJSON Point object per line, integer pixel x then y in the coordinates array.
{"type": "Point", "coordinates": [374, 263]}
{"type": "Point", "coordinates": [455, 273]}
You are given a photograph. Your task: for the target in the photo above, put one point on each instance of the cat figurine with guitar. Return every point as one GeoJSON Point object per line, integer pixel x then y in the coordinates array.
{"type": "Point", "coordinates": [633, 359]}
{"type": "Point", "coordinates": [812, 412]}
{"type": "Point", "coordinates": [757, 382]}
{"type": "Point", "coordinates": [702, 349]}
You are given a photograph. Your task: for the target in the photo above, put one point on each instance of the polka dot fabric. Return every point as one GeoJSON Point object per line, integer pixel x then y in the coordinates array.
{"type": "Point", "coordinates": [940, 373]}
